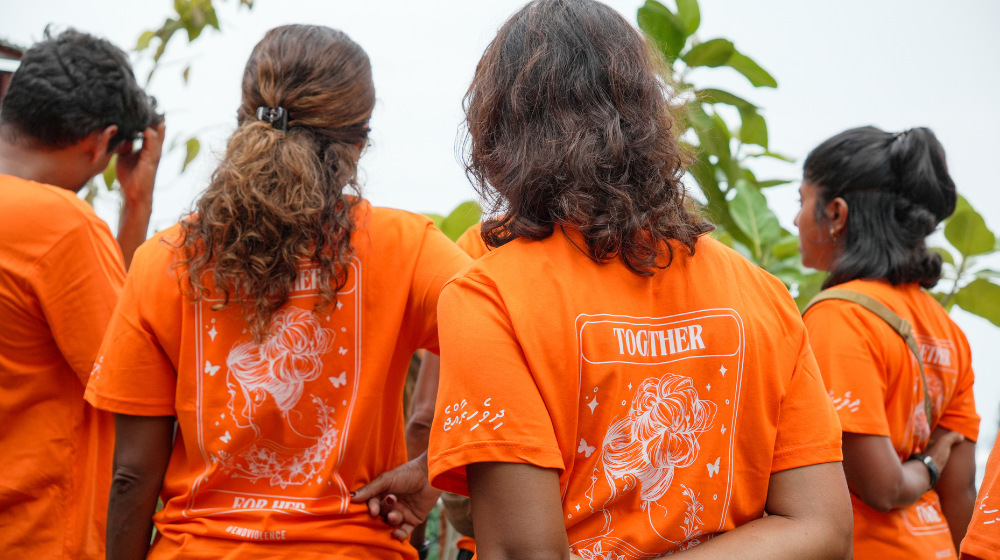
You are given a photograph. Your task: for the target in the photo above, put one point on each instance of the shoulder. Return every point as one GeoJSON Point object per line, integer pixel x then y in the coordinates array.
{"type": "Point", "coordinates": [155, 258]}
{"type": "Point", "coordinates": [391, 220]}
{"type": "Point", "coordinates": [58, 210]}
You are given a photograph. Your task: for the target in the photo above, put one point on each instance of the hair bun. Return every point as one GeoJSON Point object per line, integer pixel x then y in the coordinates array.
{"type": "Point", "coordinates": [917, 159]}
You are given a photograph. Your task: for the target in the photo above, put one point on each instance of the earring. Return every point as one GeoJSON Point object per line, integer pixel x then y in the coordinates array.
{"type": "Point", "coordinates": [833, 235]}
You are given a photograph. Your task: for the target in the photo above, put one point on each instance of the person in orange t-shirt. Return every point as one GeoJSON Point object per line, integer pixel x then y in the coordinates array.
{"type": "Point", "coordinates": [276, 326]}
{"type": "Point", "coordinates": [72, 104]}
{"type": "Point", "coordinates": [614, 382]}
{"type": "Point", "coordinates": [982, 541]}
{"type": "Point", "coordinates": [869, 198]}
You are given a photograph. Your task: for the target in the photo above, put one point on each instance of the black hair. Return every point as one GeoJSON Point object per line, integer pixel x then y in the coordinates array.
{"type": "Point", "coordinates": [897, 190]}
{"type": "Point", "coordinates": [71, 85]}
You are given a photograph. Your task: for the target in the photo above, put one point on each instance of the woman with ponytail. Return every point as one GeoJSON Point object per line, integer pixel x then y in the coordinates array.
{"type": "Point", "coordinates": [274, 327]}
{"type": "Point", "coordinates": [896, 366]}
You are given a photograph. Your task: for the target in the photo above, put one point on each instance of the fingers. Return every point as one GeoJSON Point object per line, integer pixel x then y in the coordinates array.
{"type": "Point", "coordinates": [373, 507]}
{"type": "Point", "coordinates": [152, 142]}
{"type": "Point", "coordinates": [372, 489]}
{"type": "Point", "coordinates": [402, 532]}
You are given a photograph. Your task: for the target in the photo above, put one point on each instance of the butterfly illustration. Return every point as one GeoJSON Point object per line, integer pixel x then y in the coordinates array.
{"type": "Point", "coordinates": [226, 438]}
{"type": "Point", "coordinates": [713, 469]}
{"type": "Point", "coordinates": [587, 450]}
{"type": "Point", "coordinates": [343, 350]}
{"type": "Point", "coordinates": [210, 369]}
{"type": "Point", "coordinates": [339, 380]}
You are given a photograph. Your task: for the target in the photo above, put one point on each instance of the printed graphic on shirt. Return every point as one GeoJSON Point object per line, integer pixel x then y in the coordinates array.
{"type": "Point", "coordinates": [925, 517]}
{"type": "Point", "coordinates": [991, 513]}
{"type": "Point", "coordinates": [273, 417]}
{"type": "Point", "coordinates": [938, 356]}
{"type": "Point", "coordinates": [659, 398]}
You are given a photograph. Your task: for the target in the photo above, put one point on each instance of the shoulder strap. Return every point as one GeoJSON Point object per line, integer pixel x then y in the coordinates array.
{"type": "Point", "coordinates": [898, 324]}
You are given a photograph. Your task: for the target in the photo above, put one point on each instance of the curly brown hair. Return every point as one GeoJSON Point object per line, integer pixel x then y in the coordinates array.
{"type": "Point", "coordinates": [281, 199]}
{"type": "Point", "coordinates": [570, 122]}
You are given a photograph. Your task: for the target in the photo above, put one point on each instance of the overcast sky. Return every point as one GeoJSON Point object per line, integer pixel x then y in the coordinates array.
{"type": "Point", "coordinates": [893, 64]}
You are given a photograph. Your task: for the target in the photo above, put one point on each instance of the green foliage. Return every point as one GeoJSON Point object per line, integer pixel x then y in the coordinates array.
{"type": "Point", "coordinates": [461, 218]}
{"type": "Point", "coordinates": [973, 288]}
{"type": "Point", "coordinates": [192, 147]}
{"type": "Point", "coordinates": [732, 192]}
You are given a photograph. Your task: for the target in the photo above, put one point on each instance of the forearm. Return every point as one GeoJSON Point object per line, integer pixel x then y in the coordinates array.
{"type": "Point", "coordinates": [132, 227]}
{"type": "Point", "coordinates": [958, 511]}
{"type": "Point", "coordinates": [417, 438]}
{"type": "Point", "coordinates": [131, 506]}
{"type": "Point", "coordinates": [914, 481]}
{"type": "Point", "coordinates": [957, 489]}
{"type": "Point", "coordinates": [775, 537]}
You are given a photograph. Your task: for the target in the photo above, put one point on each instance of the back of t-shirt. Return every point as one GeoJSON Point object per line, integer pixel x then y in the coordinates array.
{"type": "Point", "coordinates": [275, 435]}
{"type": "Point", "coordinates": [666, 402]}
{"type": "Point", "coordinates": [60, 274]}
{"type": "Point", "coordinates": [874, 382]}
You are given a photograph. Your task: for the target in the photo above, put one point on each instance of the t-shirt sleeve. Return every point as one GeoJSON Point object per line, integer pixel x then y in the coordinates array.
{"type": "Point", "coordinates": [489, 408]}
{"type": "Point", "coordinates": [983, 539]}
{"type": "Point", "coordinates": [808, 429]}
{"type": "Point", "coordinates": [960, 415]}
{"type": "Point", "coordinates": [439, 260]}
{"type": "Point", "coordinates": [133, 374]}
{"type": "Point", "coordinates": [77, 283]}
{"type": "Point", "coordinates": [851, 365]}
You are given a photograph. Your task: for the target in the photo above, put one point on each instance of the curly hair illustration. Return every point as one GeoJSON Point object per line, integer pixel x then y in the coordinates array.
{"type": "Point", "coordinates": [283, 363]}
{"type": "Point", "coordinates": [659, 434]}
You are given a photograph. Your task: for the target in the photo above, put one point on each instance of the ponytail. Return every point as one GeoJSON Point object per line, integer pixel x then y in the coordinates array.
{"type": "Point", "coordinates": [284, 198]}
{"type": "Point", "coordinates": [897, 189]}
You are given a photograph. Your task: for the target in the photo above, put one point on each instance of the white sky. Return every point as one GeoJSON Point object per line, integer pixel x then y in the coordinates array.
{"type": "Point", "coordinates": [893, 64]}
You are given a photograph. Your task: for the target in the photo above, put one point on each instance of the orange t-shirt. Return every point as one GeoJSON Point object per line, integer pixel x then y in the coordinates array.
{"type": "Point", "coordinates": [472, 242]}
{"type": "Point", "coordinates": [874, 382]}
{"type": "Point", "coordinates": [664, 402]}
{"type": "Point", "coordinates": [983, 538]}
{"type": "Point", "coordinates": [273, 437]}
{"type": "Point", "coordinates": [60, 275]}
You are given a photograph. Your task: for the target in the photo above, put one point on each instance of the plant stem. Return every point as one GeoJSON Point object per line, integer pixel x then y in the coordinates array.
{"type": "Point", "coordinates": [954, 288]}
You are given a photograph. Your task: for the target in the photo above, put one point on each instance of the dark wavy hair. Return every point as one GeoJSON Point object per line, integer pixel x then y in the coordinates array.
{"type": "Point", "coordinates": [897, 189]}
{"type": "Point", "coordinates": [70, 86]}
{"type": "Point", "coordinates": [280, 200]}
{"type": "Point", "coordinates": [570, 122]}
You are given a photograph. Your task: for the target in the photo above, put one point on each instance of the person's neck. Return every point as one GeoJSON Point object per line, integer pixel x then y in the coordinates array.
{"type": "Point", "coordinates": [31, 163]}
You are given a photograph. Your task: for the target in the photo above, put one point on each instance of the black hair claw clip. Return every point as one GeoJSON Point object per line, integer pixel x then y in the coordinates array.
{"type": "Point", "coordinates": [278, 118]}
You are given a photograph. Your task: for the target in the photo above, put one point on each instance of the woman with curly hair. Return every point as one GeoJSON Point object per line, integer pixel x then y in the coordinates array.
{"type": "Point", "coordinates": [614, 382]}
{"type": "Point", "coordinates": [869, 200]}
{"type": "Point", "coordinates": [274, 327]}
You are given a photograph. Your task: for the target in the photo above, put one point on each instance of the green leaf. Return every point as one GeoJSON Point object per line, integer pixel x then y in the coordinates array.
{"type": "Point", "coordinates": [193, 146]}
{"type": "Point", "coordinates": [144, 39]}
{"type": "Point", "coordinates": [753, 129]}
{"type": "Point", "coordinates": [945, 254]}
{"type": "Point", "coordinates": [461, 218]}
{"type": "Point", "coordinates": [663, 27]}
{"type": "Point", "coordinates": [981, 297]}
{"type": "Point", "coordinates": [770, 154]}
{"type": "Point", "coordinates": [751, 214]}
{"type": "Point", "coordinates": [187, 74]}
{"type": "Point", "coordinates": [987, 274]}
{"type": "Point", "coordinates": [712, 53]}
{"type": "Point", "coordinates": [961, 204]}
{"type": "Point", "coordinates": [110, 172]}
{"type": "Point", "coordinates": [772, 183]}
{"type": "Point", "coordinates": [786, 247]}
{"type": "Point", "coordinates": [689, 13]}
{"type": "Point", "coordinates": [746, 66]}
{"type": "Point", "coordinates": [967, 232]}
{"type": "Point", "coordinates": [710, 95]}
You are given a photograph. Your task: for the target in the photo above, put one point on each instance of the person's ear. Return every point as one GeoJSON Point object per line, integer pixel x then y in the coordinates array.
{"type": "Point", "coordinates": [836, 214]}
{"type": "Point", "coordinates": [101, 145]}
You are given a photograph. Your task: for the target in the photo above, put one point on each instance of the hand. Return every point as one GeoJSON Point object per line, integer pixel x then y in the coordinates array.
{"type": "Point", "coordinates": [137, 170]}
{"type": "Point", "coordinates": [939, 448]}
{"type": "Point", "coordinates": [403, 497]}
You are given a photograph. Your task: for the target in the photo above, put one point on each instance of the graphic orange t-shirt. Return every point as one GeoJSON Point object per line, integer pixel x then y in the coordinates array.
{"type": "Point", "coordinates": [664, 402]}
{"type": "Point", "coordinates": [60, 275]}
{"type": "Point", "coordinates": [472, 242]}
{"type": "Point", "coordinates": [273, 437]}
{"type": "Point", "coordinates": [874, 382]}
{"type": "Point", "coordinates": [982, 541]}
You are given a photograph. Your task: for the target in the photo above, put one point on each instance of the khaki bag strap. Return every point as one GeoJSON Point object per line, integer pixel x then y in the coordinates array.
{"type": "Point", "coordinates": [898, 324]}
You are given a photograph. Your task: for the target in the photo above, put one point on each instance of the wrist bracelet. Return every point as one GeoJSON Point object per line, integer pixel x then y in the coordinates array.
{"type": "Point", "coordinates": [932, 468]}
